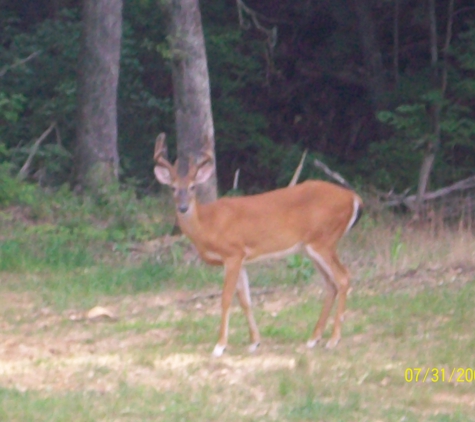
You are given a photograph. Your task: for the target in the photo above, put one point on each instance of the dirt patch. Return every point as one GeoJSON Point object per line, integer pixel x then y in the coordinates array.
{"type": "Point", "coordinates": [59, 351]}
{"type": "Point", "coordinates": [48, 351]}
{"type": "Point", "coordinates": [44, 350]}
{"type": "Point", "coordinates": [466, 399]}
{"type": "Point", "coordinates": [417, 279]}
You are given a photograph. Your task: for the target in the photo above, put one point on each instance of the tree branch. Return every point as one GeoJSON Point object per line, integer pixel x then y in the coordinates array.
{"type": "Point", "coordinates": [333, 174]}
{"type": "Point", "coordinates": [270, 33]}
{"type": "Point", "coordinates": [298, 170]}
{"type": "Point", "coordinates": [236, 179]}
{"type": "Point", "coordinates": [6, 68]}
{"type": "Point", "coordinates": [34, 149]}
{"type": "Point", "coordinates": [394, 200]}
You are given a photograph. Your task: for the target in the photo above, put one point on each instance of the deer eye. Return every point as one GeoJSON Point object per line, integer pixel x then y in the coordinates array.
{"type": "Point", "coordinates": [192, 188]}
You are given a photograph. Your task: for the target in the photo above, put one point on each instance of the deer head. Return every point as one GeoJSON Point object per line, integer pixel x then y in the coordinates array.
{"type": "Point", "coordinates": [183, 186]}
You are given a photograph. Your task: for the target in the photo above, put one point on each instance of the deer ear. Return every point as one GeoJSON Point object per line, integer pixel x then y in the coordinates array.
{"type": "Point", "coordinates": [205, 171]}
{"type": "Point", "coordinates": [163, 175]}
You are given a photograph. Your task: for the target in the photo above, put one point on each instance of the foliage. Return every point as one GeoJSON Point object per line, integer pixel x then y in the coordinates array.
{"type": "Point", "coordinates": [309, 92]}
{"type": "Point", "coordinates": [48, 91]}
{"type": "Point", "coordinates": [11, 107]}
{"type": "Point", "coordinates": [303, 267]}
{"type": "Point", "coordinates": [412, 126]}
{"type": "Point", "coordinates": [116, 216]}
{"type": "Point", "coordinates": [12, 190]}
{"type": "Point", "coordinates": [43, 90]}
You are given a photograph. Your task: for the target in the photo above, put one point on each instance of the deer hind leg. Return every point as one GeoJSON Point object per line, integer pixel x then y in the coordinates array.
{"type": "Point", "coordinates": [244, 297]}
{"type": "Point", "coordinates": [232, 274]}
{"type": "Point", "coordinates": [337, 284]}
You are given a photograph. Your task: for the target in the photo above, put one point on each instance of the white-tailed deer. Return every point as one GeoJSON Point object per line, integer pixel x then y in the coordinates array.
{"type": "Point", "coordinates": [233, 231]}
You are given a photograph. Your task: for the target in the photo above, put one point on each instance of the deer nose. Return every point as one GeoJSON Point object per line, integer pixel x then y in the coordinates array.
{"type": "Point", "coordinates": [183, 208]}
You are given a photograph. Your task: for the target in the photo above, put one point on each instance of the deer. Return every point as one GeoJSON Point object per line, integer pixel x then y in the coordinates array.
{"type": "Point", "coordinates": [308, 217]}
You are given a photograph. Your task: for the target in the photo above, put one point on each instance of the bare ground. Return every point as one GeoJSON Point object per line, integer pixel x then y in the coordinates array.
{"type": "Point", "coordinates": [45, 350]}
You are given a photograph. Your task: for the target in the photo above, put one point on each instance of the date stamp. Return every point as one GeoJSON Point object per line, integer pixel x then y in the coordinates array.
{"type": "Point", "coordinates": [458, 375]}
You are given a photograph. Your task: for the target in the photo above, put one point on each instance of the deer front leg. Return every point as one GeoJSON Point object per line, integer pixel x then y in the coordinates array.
{"type": "Point", "coordinates": [232, 268]}
{"type": "Point", "coordinates": [244, 296]}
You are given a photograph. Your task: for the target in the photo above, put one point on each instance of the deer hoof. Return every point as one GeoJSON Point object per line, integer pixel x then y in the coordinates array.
{"type": "Point", "coordinates": [312, 343]}
{"type": "Point", "coordinates": [331, 344]}
{"type": "Point", "coordinates": [253, 347]}
{"type": "Point", "coordinates": [218, 351]}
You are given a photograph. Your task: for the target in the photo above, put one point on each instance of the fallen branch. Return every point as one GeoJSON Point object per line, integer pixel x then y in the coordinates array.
{"type": "Point", "coordinates": [392, 199]}
{"type": "Point", "coordinates": [464, 184]}
{"type": "Point", "coordinates": [292, 182]}
{"type": "Point", "coordinates": [333, 174]}
{"type": "Point", "coordinates": [409, 201]}
{"type": "Point", "coordinates": [298, 170]}
{"type": "Point", "coordinates": [34, 149]}
{"type": "Point", "coordinates": [236, 179]}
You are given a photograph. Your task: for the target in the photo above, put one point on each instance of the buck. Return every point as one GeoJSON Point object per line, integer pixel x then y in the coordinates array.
{"type": "Point", "coordinates": [234, 231]}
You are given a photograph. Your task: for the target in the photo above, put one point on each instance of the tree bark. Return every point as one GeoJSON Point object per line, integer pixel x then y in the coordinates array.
{"type": "Point", "coordinates": [439, 83]}
{"type": "Point", "coordinates": [371, 53]}
{"type": "Point", "coordinates": [96, 155]}
{"type": "Point", "coordinates": [396, 43]}
{"type": "Point", "coordinates": [191, 88]}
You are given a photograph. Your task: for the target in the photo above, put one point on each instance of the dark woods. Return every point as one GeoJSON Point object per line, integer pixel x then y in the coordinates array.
{"type": "Point", "coordinates": [379, 90]}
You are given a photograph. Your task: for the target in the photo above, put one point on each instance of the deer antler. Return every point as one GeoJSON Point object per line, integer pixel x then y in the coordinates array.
{"type": "Point", "coordinates": [206, 155]}
{"type": "Point", "coordinates": [160, 154]}
{"type": "Point", "coordinates": [207, 151]}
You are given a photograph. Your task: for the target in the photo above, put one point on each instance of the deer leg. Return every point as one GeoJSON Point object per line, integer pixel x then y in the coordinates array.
{"type": "Point", "coordinates": [232, 270]}
{"type": "Point", "coordinates": [342, 280]}
{"type": "Point", "coordinates": [336, 282]}
{"type": "Point", "coordinates": [331, 293]}
{"type": "Point", "coordinates": [244, 297]}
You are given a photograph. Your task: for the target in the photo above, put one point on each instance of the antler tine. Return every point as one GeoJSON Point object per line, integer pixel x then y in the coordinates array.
{"type": "Point", "coordinates": [160, 153]}
{"type": "Point", "coordinates": [206, 151]}
{"type": "Point", "coordinates": [205, 156]}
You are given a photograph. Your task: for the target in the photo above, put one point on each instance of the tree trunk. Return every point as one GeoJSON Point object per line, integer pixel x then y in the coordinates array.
{"type": "Point", "coordinates": [96, 156]}
{"type": "Point", "coordinates": [439, 82]}
{"type": "Point", "coordinates": [371, 53]}
{"type": "Point", "coordinates": [424, 174]}
{"type": "Point", "coordinates": [433, 144]}
{"type": "Point", "coordinates": [396, 43]}
{"type": "Point", "coordinates": [191, 89]}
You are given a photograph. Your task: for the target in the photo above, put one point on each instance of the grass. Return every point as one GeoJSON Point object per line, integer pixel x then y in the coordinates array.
{"type": "Point", "coordinates": [411, 309]}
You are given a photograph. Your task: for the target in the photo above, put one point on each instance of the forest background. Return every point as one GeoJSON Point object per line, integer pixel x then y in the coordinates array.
{"type": "Point", "coordinates": [356, 83]}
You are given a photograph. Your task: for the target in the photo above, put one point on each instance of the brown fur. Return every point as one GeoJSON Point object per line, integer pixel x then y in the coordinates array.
{"type": "Point", "coordinates": [313, 216]}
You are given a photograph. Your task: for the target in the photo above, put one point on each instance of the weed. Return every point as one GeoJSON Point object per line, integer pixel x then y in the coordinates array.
{"type": "Point", "coordinates": [302, 266]}
{"type": "Point", "coordinates": [397, 246]}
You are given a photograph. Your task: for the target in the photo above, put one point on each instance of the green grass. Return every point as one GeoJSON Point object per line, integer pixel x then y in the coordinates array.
{"type": "Point", "coordinates": [126, 404]}
{"type": "Point", "coordinates": [411, 307]}
{"type": "Point", "coordinates": [358, 381]}
{"type": "Point", "coordinates": [18, 406]}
